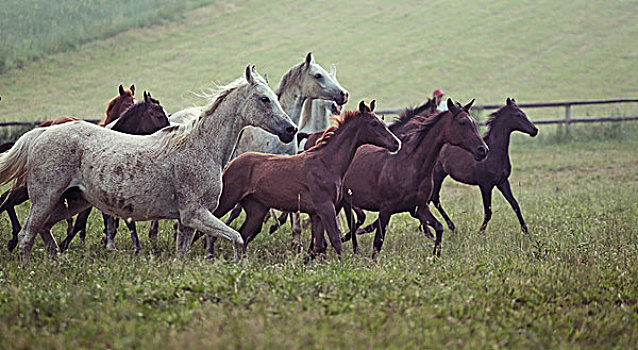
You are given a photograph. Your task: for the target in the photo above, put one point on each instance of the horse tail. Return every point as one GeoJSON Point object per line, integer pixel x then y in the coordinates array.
{"type": "Point", "coordinates": [13, 163]}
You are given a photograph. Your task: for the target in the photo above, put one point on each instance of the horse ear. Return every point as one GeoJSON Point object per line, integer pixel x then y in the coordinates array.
{"type": "Point", "coordinates": [372, 105]}
{"type": "Point", "coordinates": [383, 117]}
{"type": "Point", "coordinates": [333, 72]}
{"type": "Point", "coordinates": [121, 90]}
{"type": "Point", "coordinates": [469, 105]}
{"type": "Point", "coordinates": [249, 75]}
{"type": "Point", "coordinates": [451, 107]}
{"type": "Point", "coordinates": [266, 78]}
{"type": "Point", "coordinates": [132, 89]}
{"type": "Point", "coordinates": [362, 107]}
{"type": "Point", "coordinates": [309, 59]}
{"type": "Point", "coordinates": [147, 97]}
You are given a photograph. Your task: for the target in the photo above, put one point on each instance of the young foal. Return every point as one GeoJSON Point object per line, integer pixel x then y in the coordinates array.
{"type": "Point", "coordinates": [308, 182]}
{"type": "Point", "coordinates": [142, 118]}
{"type": "Point", "coordinates": [18, 195]}
{"type": "Point", "coordinates": [494, 171]}
{"type": "Point", "coordinates": [171, 174]}
{"type": "Point", "coordinates": [392, 184]}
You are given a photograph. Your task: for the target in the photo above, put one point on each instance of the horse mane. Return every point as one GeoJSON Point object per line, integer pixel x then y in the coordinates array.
{"type": "Point", "coordinates": [176, 136]}
{"type": "Point", "coordinates": [423, 125]}
{"type": "Point", "coordinates": [410, 113]}
{"type": "Point", "coordinates": [294, 72]}
{"type": "Point", "coordinates": [491, 121]}
{"type": "Point", "coordinates": [331, 131]}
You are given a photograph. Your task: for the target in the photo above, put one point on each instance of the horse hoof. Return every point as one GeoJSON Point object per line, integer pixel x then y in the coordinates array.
{"type": "Point", "coordinates": [63, 246]}
{"type": "Point", "coordinates": [524, 229]}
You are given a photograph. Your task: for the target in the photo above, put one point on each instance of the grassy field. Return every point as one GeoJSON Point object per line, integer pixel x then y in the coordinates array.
{"type": "Point", "coordinates": [571, 283]}
{"type": "Point", "coordinates": [33, 29]}
{"type": "Point", "coordinates": [397, 54]}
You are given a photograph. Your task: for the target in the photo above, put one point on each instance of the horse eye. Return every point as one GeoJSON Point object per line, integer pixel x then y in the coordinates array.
{"type": "Point", "coordinates": [318, 76]}
{"type": "Point", "coordinates": [264, 99]}
{"type": "Point", "coordinates": [374, 123]}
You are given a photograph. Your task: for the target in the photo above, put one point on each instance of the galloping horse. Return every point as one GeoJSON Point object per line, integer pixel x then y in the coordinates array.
{"type": "Point", "coordinates": [171, 174]}
{"type": "Point", "coordinates": [18, 195]}
{"type": "Point", "coordinates": [389, 184]}
{"type": "Point", "coordinates": [308, 182]}
{"type": "Point", "coordinates": [494, 171]}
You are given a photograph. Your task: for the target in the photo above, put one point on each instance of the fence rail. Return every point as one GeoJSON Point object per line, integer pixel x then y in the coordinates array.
{"type": "Point", "coordinates": [568, 111]}
{"type": "Point", "coordinates": [567, 120]}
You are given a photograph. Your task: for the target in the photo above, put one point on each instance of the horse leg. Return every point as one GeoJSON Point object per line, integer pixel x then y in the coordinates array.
{"type": "Point", "coordinates": [183, 239]}
{"type": "Point", "coordinates": [439, 176]}
{"type": "Point", "coordinates": [200, 218]}
{"type": "Point", "coordinates": [80, 226]}
{"type": "Point", "coordinates": [279, 221]}
{"type": "Point", "coordinates": [382, 223]}
{"type": "Point", "coordinates": [486, 193]}
{"type": "Point", "coordinates": [15, 225]}
{"type": "Point", "coordinates": [318, 245]}
{"type": "Point", "coordinates": [361, 215]}
{"type": "Point", "coordinates": [295, 221]}
{"type": "Point", "coordinates": [9, 200]}
{"type": "Point", "coordinates": [153, 230]}
{"type": "Point", "coordinates": [110, 231]}
{"type": "Point", "coordinates": [423, 224]}
{"type": "Point", "coordinates": [367, 229]}
{"type": "Point", "coordinates": [328, 216]}
{"type": "Point", "coordinates": [255, 213]}
{"type": "Point", "coordinates": [505, 189]}
{"type": "Point", "coordinates": [425, 216]}
{"type": "Point", "coordinates": [233, 214]}
{"type": "Point", "coordinates": [132, 227]}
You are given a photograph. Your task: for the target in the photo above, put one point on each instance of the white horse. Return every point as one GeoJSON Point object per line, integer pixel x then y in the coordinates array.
{"type": "Point", "coordinates": [174, 173]}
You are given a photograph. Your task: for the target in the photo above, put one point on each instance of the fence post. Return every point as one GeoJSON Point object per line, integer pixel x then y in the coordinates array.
{"type": "Point", "coordinates": [568, 117]}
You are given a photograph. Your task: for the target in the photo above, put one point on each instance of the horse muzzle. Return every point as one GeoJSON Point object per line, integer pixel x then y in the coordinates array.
{"type": "Point", "coordinates": [481, 153]}
{"type": "Point", "coordinates": [288, 134]}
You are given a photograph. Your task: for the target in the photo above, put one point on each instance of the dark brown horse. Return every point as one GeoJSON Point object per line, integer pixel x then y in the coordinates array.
{"type": "Point", "coordinates": [389, 184]}
{"type": "Point", "coordinates": [494, 171]}
{"type": "Point", "coordinates": [143, 118]}
{"type": "Point", "coordinates": [308, 182]}
{"type": "Point", "coordinates": [18, 195]}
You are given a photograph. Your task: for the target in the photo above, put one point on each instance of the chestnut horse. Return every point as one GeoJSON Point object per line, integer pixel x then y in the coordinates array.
{"type": "Point", "coordinates": [494, 171]}
{"type": "Point", "coordinates": [308, 182]}
{"type": "Point", "coordinates": [18, 195]}
{"type": "Point", "coordinates": [389, 184]}
{"type": "Point", "coordinates": [142, 118]}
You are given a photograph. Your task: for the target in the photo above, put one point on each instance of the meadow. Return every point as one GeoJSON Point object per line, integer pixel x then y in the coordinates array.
{"type": "Point", "coordinates": [571, 283]}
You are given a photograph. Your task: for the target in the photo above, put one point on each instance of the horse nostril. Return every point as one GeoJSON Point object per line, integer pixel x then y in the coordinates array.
{"type": "Point", "coordinates": [344, 96]}
{"type": "Point", "coordinates": [291, 129]}
{"type": "Point", "coordinates": [483, 150]}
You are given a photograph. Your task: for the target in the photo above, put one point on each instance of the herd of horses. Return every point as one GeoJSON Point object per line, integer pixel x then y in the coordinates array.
{"type": "Point", "coordinates": [240, 152]}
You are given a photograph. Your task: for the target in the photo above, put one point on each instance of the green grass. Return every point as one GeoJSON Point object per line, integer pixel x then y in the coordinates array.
{"type": "Point", "coordinates": [32, 29]}
{"type": "Point", "coordinates": [572, 283]}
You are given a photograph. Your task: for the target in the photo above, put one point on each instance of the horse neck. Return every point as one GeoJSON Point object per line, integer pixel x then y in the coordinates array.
{"type": "Point", "coordinates": [217, 135]}
{"type": "Point", "coordinates": [114, 113]}
{"type": "Point", "coordinates": [320, 117]}
{"type": "Point", "coordinates": [292, 100]}
{"type": "Point", "coordinates": [340, 150]}
{"type": "Point", "coordinates": [499, 141]}
{"type": "Point", "coordinates": [426, 153]}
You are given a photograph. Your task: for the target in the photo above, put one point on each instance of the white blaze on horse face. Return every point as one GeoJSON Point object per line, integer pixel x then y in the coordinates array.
{"type": "Point", "coordinates": [319, 84]}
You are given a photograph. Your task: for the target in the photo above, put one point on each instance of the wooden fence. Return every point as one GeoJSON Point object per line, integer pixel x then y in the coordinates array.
{"type": "Point", "coordinates": [568, 111]}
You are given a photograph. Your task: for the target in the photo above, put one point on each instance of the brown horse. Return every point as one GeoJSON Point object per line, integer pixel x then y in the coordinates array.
{"type": "Point", "coordinates": [143, 118]}
{"type": "Point", "coordinates": [308, 182]}
{"type": "Point", "coordinates": [115, 108]}
{"type": "Point", "coordinates": [494, 171]}
{"type": "Point", "coordinates": [389, 184]}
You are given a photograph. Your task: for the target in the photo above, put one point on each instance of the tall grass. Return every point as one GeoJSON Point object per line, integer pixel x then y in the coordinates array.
{"type": "Point", "coordinates": [30, 29]}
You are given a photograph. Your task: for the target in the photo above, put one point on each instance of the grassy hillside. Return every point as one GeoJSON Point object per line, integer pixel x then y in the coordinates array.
{"type": "Point", "coordinates": [396, 53]}
{"type": "Point", "coordinates": [31, 29]}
